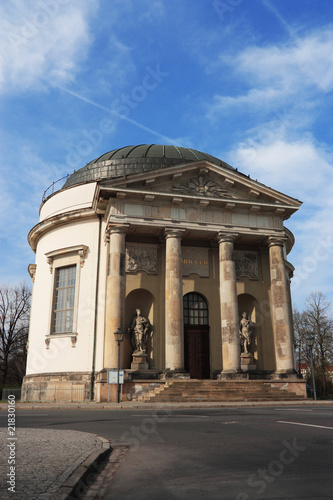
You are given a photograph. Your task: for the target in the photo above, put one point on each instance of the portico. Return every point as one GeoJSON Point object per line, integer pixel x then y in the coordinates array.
{"type": "Point", "coordinates": [220, 261]}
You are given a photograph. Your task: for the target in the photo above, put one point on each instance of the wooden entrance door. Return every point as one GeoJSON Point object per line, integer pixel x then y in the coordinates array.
{"type": "Point", "coordinates": [196, 351]}
{"type": "Point", "coordinates": [196, 336]}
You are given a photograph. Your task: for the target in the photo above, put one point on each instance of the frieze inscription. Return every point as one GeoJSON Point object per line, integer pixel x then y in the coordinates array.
{"type": "Point", "coordinates": [195, 260]}
{"type": "Point", "coordinates": [246, 265]}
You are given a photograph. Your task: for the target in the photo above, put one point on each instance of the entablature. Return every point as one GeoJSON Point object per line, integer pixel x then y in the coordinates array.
{"type": "Point", "coordinates": [194, 232]}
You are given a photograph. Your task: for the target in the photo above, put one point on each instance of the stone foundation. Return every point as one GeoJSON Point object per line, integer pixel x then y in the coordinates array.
{"type": "Point", "coordinates": [57, 387]}
{"type": "Point", "coordinates": [133, 386]}
{"type": "Point", "coordinates": [296, 386]}
{"type": "Point", "coordinates": [131, 389]}
{"type": "Point", "coordinates": [75, 387]}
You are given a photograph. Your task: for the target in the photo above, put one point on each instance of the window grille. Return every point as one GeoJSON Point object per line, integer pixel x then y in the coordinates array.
{"type": "Point", "coordinates": [64, 298]}
{"type": "Point", "coordinates": [195, 309]}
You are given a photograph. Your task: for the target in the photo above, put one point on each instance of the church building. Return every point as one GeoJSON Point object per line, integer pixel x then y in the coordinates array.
{"type": "Point", "coordinates": [178, 251]}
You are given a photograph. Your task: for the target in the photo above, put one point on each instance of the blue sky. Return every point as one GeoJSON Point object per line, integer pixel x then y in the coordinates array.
{"type": "Point", "coordinates": [248, 81]}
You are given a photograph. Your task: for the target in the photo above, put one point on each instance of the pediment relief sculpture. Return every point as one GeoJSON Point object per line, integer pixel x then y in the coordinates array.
{"type": "Point", "coordinates": [201, 186]}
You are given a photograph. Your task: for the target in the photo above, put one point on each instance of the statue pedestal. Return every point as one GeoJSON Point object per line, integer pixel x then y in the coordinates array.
{"type": "Point", "coordinates": [248, 363]}
{"type": "Point", "coordinates": [139, 361]}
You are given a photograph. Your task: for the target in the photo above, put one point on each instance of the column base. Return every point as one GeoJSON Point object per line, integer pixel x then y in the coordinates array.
{"type": "Point", "coordinates": [179, 374]}
{"type": "Point", "coordinates": [231, 375]}
{"type": "Point", "coordinates": [287, 374]}
{"type": "Point", "coordinates": [132, 375]}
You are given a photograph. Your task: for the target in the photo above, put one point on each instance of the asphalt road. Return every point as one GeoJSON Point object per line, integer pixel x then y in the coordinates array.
{"type": "Point", "coordinates": [236, 453]}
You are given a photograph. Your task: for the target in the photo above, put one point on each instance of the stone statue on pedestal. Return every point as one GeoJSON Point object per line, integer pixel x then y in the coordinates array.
{"type": "Point", "coordinates": [248, 362]}
{"type": "Point", "coordinates": [139, 339]}
{"type": "Point", "coordinates": [139, 332]}
{"type": "Point", "coordinates": [245, 333]}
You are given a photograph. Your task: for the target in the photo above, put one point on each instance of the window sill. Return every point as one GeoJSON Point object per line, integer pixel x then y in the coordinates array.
{"type": "Point", "coordinates": [71, 335]}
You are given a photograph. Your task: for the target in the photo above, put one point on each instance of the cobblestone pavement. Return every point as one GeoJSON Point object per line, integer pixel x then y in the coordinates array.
{"type": "Point", "coordinates": [44, 459]}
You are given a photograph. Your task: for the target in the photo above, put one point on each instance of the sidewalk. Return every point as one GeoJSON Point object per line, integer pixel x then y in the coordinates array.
{"type": "Point", "coordinates": [48, 463]}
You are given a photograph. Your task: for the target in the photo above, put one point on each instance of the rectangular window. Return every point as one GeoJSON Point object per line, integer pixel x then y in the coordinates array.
{"type": "Point", "coordinates": [64, 298]}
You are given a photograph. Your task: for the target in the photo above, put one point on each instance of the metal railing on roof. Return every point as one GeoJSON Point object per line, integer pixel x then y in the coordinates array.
{"type": "Point", "coordinates": [50, 190]}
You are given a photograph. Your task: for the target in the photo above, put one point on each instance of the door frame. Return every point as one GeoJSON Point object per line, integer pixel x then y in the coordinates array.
{"type": "Point", "coordinates": [196, 335]}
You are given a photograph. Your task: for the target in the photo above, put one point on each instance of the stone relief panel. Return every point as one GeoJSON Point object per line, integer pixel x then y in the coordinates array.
{"type": "Point", "coordinates": [201, 186]}
{"type": "Point", "coordinates": [246, 265]}
{"type": "Point", "coordinates": [141, 257]}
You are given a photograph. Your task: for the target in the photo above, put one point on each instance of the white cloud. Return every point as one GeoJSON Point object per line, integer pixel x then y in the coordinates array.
{"type": "Point", "coordinates": [302, 63]}
{"type": "Point", "coordinates": [43, 40]}
{"type": "Point", "coordinates": [278, 74]}
{"type": "Point", "coordinates": [302, 169]}
{"type": "Point", "coordinates": [254, 98]}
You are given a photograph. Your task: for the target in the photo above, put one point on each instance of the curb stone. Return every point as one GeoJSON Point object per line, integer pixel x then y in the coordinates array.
{"type": "Point", "coordinates": [78, 481]}
{"type": "Point", "coordinates": [173, 405]}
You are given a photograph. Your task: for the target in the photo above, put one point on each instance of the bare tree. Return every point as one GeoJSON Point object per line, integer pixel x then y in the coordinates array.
{"type": "Point", "coordinates": [300, 334]}
{"type": "Point", "coordinates": [14, 326]}
{"type": "Point", "coordinates": [318, 322]}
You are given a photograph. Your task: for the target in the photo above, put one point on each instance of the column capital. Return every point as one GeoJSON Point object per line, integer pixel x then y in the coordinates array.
{"type": "Point", "coordinates": [273, 241]}
{"type": "Point", "coordinates": [223, 237]}
{"type": "Point", "coordinates": [170, 232]}
{"type": "Point", "coordinates": [117, 229]}
{"type": "Point", "coordinates": [114, 229]}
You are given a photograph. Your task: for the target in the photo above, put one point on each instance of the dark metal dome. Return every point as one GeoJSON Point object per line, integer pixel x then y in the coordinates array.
{"type": "Point", "coordinates": [136, 159]}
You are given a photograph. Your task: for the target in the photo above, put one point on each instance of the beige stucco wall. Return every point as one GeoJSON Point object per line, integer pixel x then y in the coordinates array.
{"type": "Point", "coordinates": [74, 198]}
{"type": "Point", "coordinates": [61, 356]}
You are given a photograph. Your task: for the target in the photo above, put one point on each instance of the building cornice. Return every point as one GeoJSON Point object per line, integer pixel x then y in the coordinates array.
{"type": "Point", "coordinates": [56, 221]}
{"type": "Point", "coordinates": [124, 193]}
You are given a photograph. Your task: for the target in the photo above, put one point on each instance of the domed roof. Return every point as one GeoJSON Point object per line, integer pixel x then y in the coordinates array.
{"type": "Point", "coordinates": [136, 159]}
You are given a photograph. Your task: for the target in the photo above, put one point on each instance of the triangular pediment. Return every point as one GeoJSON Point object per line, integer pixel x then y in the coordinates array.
{"type": "Point", "coordinates": [199, 180]}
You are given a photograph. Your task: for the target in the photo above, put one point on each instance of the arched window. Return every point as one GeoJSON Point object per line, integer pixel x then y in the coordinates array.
{"type": "Point", "coordinates": [195, 309]}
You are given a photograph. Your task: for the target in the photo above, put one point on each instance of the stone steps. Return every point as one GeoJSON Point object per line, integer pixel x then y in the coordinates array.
{"type": "Point", "coordinates": [215, 391]}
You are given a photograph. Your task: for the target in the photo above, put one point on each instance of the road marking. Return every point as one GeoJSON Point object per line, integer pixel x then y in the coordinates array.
{"type": "Point", "coordinates": [172, 415]}
{"type": "Point", "coordinates": [306, 425]}
{"type": "Point", "coordinates": [290, 409]}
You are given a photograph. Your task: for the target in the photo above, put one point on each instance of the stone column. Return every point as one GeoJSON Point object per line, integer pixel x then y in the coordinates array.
{"type": "Point", "coordinates": [229, 305]}
{"type": "Point", "coordinates": [281, 308]}
{"type": "Point", "coordinates": [115, 294]}
{"type": "Point", "coordinates": [174, 323]}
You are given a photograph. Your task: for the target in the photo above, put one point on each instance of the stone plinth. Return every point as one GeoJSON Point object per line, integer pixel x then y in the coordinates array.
{"type": "Point", "coordinates": [139, 361]}
{"type": "Point", "coordinates": [247, 362]}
